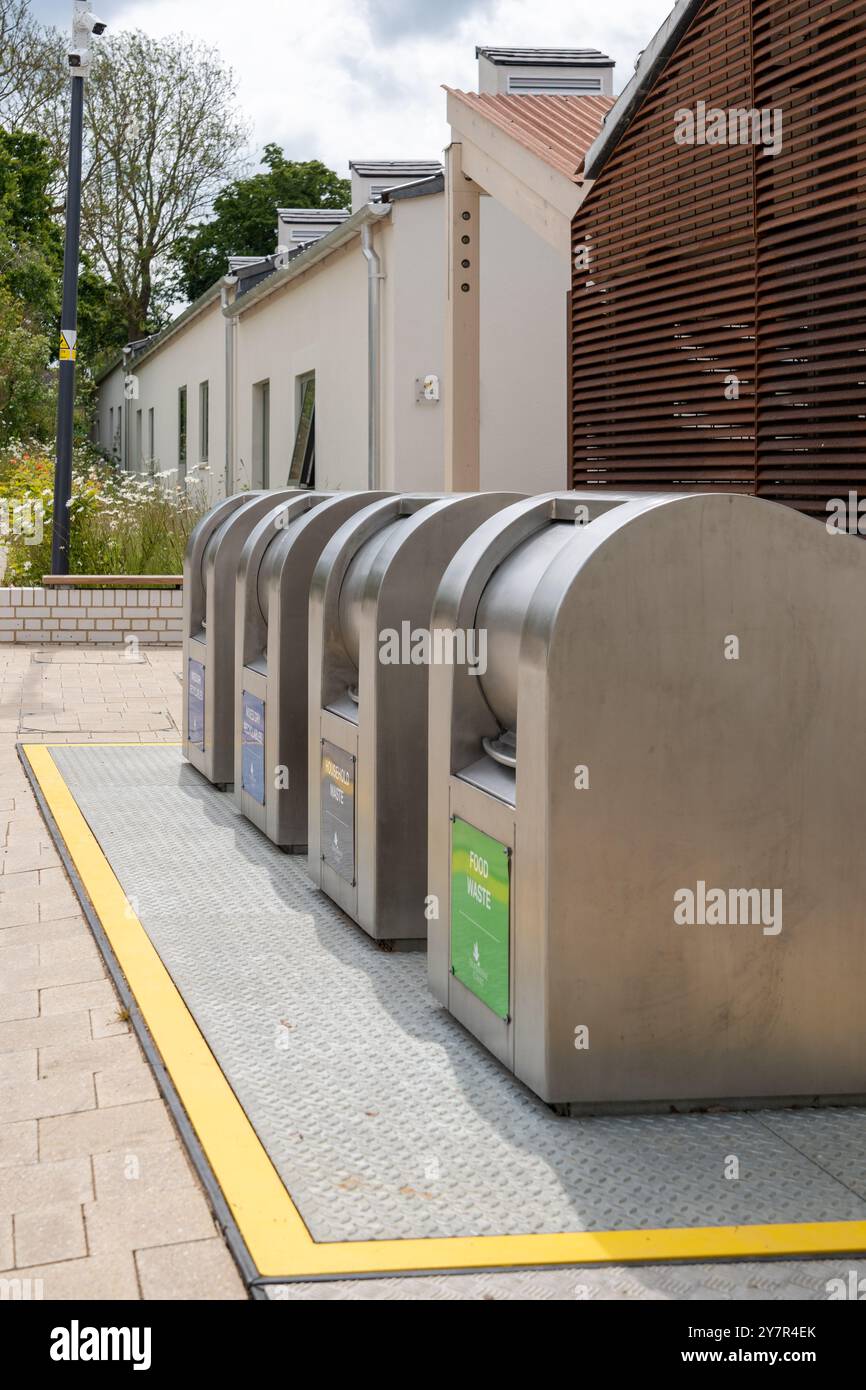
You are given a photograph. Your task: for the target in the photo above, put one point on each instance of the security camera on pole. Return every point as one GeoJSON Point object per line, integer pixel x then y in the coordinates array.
{"type": "Point", "coordinates": [84, 24]}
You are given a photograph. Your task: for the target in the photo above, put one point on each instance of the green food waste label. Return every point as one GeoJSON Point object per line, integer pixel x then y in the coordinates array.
{"type": "Point", "coordinates": [480, 893]}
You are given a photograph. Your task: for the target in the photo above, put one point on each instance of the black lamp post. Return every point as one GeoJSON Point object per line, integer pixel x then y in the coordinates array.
{"type": "Point", "coordinates": [84, 24]}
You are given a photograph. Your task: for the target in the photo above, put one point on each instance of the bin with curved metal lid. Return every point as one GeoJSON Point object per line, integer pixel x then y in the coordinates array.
{"type": "Point", "coordinates": [209, 573]}
{"type": "Point", "coordinates": [270, 670]}
{"type": "Point", "coordinates": [370, 603]}
{"type": "Point", "coordinates": [645, 809]}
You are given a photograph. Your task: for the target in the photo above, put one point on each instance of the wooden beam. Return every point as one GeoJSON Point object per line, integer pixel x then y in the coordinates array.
{"type": "Point", "coordinates": [112, 581]}
{"type": "Point", "coordinates": [462, 329]}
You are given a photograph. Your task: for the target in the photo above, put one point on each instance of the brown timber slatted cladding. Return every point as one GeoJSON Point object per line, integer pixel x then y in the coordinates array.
{"type": "Point", "coordinates": [810, 60]}
{"type": "Point", "coordinates": [717, 331]}
{"type": "Point", "coordinates": [664, 316]}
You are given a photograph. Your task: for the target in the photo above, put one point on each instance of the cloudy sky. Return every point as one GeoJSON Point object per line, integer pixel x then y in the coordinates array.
{"type": "Point", "coordinates": [360, 79]}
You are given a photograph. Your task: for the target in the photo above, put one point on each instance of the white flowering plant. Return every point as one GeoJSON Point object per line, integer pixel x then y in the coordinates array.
{"type": "Point", "coordinates": [119, 523]}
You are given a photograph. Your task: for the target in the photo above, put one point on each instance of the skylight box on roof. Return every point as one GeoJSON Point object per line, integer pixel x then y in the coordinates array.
{"type": "Point", "coordinates": [371, 177]}
{"type": "Point", "coordinates": [548, 71]}
{"type": "Point", "coordinates": [298, 225]}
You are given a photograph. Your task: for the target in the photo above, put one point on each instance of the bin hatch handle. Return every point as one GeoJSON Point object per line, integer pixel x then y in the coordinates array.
{"type": "Point", "coordinates": [502, 749]}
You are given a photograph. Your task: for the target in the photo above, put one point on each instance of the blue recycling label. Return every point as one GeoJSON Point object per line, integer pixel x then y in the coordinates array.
{"type": "Point", "coordinates": [195, 702]}
{"type": "Point", "coordinates": [253, 747]}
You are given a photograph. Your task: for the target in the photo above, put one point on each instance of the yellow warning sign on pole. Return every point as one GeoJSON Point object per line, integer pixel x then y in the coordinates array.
{"type": "Point", "coordinates": [68, 338]}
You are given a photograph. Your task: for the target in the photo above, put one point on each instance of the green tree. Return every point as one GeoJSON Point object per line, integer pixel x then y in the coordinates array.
{"type": "Point", "coordinates": [31, 262]}
{"type": "Point", "coordinates": [162, 131]}
{"type": "Point", "coordinates": [30, 257]}
{"type": "Point", "coordinates": [26, 395]}
{"type": "Point", "coordinates": [101, 319]}
{"type": "Point", "coordinates": [244, 221]}
{"type": "Point", "coordinates": [33, 251]}
{"type": "Point", "coordinates": [27, 81]}
{"type": "Point", "coordinates": [161, 136]}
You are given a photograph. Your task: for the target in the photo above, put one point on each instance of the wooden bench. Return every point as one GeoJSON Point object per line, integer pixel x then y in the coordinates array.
{"type": "Point", "coordinates": [112, 581]}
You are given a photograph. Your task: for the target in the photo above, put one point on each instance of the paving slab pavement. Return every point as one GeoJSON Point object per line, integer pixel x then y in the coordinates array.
{"type": "Point", "coordinates": [98, 1199]}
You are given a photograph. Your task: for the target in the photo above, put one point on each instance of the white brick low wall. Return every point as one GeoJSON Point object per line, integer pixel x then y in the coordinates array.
{"type": "Point", "coordinates": [45, 615]}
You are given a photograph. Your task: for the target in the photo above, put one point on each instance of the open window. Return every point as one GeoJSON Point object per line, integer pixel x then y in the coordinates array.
{"type": "Point", "coordinates": [203, 421]}
{"type": "Point", "coordinates": [262, 434]}
{"type": "Point", "coordinates": [303, 469]}
{"type": "Point", "coordinates": [181, 434]}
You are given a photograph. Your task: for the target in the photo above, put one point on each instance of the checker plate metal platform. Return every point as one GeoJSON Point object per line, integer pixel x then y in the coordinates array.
{"type": "Point", "coordinates": [403, 1145]}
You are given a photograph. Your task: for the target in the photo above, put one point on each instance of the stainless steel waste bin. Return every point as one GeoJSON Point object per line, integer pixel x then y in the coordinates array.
{"type": "Point", "coordinates": [209, 573]}
{"type": "Point", "coordinates": [271, 681]}
{"type": "Point", "coordinates": [645, 815]}
{"type": "Point", "coordinates": [370, 602]}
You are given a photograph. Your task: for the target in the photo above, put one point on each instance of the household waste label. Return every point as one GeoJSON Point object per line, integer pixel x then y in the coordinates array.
{"type": "Point", "coordinates": [338, 810]}
{"type": "Point", "coordinates": [480, 898]}
{"type": "Point", "coordinates": [253, 747]}
{"type": "Point", "coordinates": [195, 702]}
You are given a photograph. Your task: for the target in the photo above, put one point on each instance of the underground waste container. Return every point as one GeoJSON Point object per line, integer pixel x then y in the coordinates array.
{"type": "Point", "coordinates": [370, 602]}
{"type": "Point", "coordinates": [271, 674]}
{"type": "Point", "coordinates": [209, 573]}
{"type": "Point", "coordinates": [645, 815]}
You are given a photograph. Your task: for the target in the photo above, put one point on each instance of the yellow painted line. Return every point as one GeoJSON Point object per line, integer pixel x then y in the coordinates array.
{"type": "Point", "coordinates": [268, 1220]}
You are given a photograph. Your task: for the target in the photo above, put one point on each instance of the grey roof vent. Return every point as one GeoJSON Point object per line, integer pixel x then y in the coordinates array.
{"type": "Point", "coordinates": [395, 168]}
{"type": "Point", "coordinates": [313, 217]}
{"type": "Point", "coordinates": [546, 57]}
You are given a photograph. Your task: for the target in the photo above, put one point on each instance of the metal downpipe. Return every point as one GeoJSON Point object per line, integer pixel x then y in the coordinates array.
{"type": "Point", "coordinates": [227, 298]}
{"type": "Point", "coordinates": [374, 355]}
